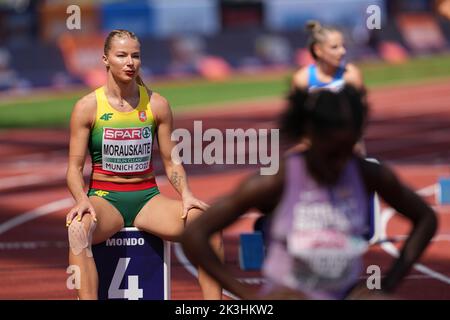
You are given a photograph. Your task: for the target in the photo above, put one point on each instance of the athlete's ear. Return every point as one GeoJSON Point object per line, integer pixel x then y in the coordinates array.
{"type": "Point", "coordinates": [318, 49]}
{"type": "Point", "coordinates": [105, 61]}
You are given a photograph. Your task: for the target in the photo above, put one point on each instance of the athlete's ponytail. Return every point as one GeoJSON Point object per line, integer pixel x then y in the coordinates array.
{"type": "Point", "coordinates": [313, 26]}
{"type": "Point", "coordinates": [141, 82]}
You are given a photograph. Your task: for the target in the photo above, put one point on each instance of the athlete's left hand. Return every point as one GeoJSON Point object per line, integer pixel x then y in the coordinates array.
{"type": "Point", "coordinates": [190, 202]}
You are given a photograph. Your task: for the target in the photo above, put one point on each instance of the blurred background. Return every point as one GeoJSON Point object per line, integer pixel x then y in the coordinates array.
{"type": "Point", "coordinates": [209, 38]}
{"type": "Point", "coordinates": [218, 42]}
{"type": "Point", "coordinates": [228, 63]}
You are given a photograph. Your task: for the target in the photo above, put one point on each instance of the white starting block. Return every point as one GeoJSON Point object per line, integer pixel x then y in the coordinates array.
{"type": "Point", "coordinates": [443, 191]}
{"type": "Point", "coordinates": [133, 265]}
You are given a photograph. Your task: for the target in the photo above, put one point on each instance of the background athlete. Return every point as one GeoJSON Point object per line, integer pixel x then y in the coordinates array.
{"type": "Point", "coordinates": [118, 124]}
{"type": "Point", "coordinates": [327, 47]}
{"type": "Point", "coordinates": [319, 208]}
{"type": "Point", "coordinates": [329, 70]}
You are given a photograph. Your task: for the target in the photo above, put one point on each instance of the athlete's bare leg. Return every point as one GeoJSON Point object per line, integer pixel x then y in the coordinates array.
{"type": "Point", "coordinates": [109, 221]}
{"type": "Point", "coordinates": [161, 216]}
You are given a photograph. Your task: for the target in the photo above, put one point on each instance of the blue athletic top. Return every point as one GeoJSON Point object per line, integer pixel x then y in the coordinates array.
{"type": "Point", "coordinates": [335, 84]}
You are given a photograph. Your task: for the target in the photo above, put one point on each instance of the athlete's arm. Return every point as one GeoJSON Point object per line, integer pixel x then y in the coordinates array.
{"type": "Point", "coordinates": [81, 120]}
{"type": "Point", "coordinates": [174, 169]}
{"type": "Point", "coordinates": [300, 79]}
{"type": "Point", "coordinates": [261, 192]}
{"type": "Point", "coordinates": [382, 180]}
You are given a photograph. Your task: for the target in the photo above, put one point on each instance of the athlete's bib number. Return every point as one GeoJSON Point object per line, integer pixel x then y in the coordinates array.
{"type": "Point", "coordinates": [324, 257]}
{"type": "Point", "coordinates": [126, 150]}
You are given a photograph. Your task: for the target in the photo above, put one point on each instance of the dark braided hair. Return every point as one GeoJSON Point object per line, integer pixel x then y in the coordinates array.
{"type": "Point", "coordinates": [323, 110]}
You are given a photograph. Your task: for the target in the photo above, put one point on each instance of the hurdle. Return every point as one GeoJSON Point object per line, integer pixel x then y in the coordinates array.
{"type": "Point", "coordinates": [133, 265]}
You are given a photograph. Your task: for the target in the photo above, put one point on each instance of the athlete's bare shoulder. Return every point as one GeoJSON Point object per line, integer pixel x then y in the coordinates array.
{"type": "Point", "coordinates": [353, 76]}
{"type": "Point", "coordinates": [87, 103]}
{"type": "Point", "coordinates": [160, 106]}
{"type": "Point", "coordinates": [85, 108]}
{"type": "Point", "coordinates": [158, 101]}
{"type": "Point", "coordinates": [300, 78]}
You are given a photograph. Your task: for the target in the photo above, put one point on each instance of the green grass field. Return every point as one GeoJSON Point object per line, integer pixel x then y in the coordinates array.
{"type": "Point", "coordinates": [54, 111]}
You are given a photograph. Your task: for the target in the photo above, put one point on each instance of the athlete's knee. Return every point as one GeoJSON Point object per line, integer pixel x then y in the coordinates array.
{"type": "Point", "coordinates": [80, 235]}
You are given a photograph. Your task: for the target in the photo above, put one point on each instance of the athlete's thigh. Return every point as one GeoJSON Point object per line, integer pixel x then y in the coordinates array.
{"type": "Point", "coordinates": [161, 216]}
{"type": "Point", "coordinates": [109, 220]}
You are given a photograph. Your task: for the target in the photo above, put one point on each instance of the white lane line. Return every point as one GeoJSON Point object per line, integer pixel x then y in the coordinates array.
{"type": "Point", "coordinates": [253, 281]}
{"type": "Point", "coordinates": [34, 158]}
{"type": "Point", "coordinates": [427, 191]}
{"type": "Point", "coordinates": [36, 213]}
{"type": "Point", "coordinates": [33, 179]}
{"type": "Point", "coordinates": [32, 245]}
{"type": "Point", "coordinates": [27, 179]}
{"type": "Point", "coordinates": [442, 237]}
{"type": "Point", "coordinates": [179, 253]}
{"type": "Point", "coordinates": [403, 237]}
{"type": "Point", "coordinates": [389, 247]}
{"type": "Point", "coordinates": [17, 181]}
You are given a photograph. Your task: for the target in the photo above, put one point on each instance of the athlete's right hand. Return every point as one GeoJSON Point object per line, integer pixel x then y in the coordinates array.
{"type": "Point", "coordinates": [79, 210]}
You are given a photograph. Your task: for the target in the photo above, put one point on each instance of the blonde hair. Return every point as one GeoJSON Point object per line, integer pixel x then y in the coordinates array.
{"type": "Point", "coordinates": [317, 34]}
{"type": "Point", "coordinates": [122, 33]}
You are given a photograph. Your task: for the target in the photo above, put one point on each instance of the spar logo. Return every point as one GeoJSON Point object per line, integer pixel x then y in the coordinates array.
{"type": "Point", "coordinates": [127, 133]}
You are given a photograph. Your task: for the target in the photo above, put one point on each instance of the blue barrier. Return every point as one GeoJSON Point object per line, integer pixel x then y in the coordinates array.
{"type": "Point", "coordinates": [251, 251]}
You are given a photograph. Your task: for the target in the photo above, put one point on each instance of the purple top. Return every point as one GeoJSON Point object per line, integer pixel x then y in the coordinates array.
{"type": "Point", "coordinates": [317, 232]}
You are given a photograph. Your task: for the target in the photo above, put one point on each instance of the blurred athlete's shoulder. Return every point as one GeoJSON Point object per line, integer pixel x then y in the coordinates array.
{"type": "Point", "coordinates": [300, 78]}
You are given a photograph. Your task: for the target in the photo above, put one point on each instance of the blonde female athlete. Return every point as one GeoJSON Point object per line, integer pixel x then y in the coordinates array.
{"type": "Point", "coordinates": [118, 123]}
{"type": "Point", "coordinates": [327, 47]}
{"type": "Point", "coordinates": [330, 71]}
